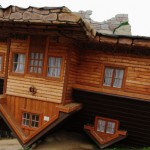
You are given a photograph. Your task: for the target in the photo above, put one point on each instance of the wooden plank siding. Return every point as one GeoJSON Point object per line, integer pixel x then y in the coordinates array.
{"type": "Point", "coordinates": [134, 116]}
{"type": "Point", "coordinates": [3, 51]}
{"type": "Point", "coordinates": [47, 89]}
{"type": "Point", "coordinates": [17, 105]}
{"type": "Point", "coordinates": [72, 73]}
{"type": "Point", "coordinates": [91, 71]}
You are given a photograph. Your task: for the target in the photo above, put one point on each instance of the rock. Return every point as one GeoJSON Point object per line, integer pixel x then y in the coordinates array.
{"type": "Point", "coordinates": [65, 9]}
{"type": "Point", "coordinates": [50, 17]}
{"type": "Point", "coordinates": [13, 9]}
{"type": "Point", "coordinates": [55, 10]}
{"type": "Point", "coordinates": [27, 15]}
{"type": "Point", "coordinates": [41, 11]}
{"type": "Point", "coordinates": [69, 17]}
{"type": "Point", "coordinates": [21, 10]}
{"type": "Point", "coordinates": [105, 31]}
{"type": "Point", "coordinates": [105, 27]}
{"type": "Point", "coordinates": [16, 16]}
{"type": "Point", "coordinates": [1, 13]}
{"type": "Point", "coordinates": [7, 12]}
{"type": "Point", "coordinates": [123, 30]}
{"type": "Point", "coordinates": [35, 16]}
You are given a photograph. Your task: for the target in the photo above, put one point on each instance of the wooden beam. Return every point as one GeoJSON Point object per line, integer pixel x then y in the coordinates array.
{"type": "Point", "coordinates": [7, 65]}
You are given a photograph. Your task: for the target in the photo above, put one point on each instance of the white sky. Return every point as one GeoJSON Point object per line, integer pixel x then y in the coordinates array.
{"type": "Point", "coordinates": [138, 10]}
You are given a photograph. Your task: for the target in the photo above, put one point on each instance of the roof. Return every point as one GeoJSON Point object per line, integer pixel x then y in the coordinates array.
{"type": "Point", "coordinates": [74, 24]}
{"type": "Point", "coordinates": [46, 16]}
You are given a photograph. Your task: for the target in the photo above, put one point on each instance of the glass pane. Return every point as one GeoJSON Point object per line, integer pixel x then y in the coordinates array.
{"type": "Point", "coordinates": [110, 128]}
{"type": "Point", "coordinates": [32, 55]}
{"type": "Point", "coordinates": [118, 78]}
{"type": "Point", "coordinates": [36, 55]}
{"type": "Point", "coordinates": [108, 76]}
{"type": "Point", "coordinates": [41, 56]}
{"type": "Point", "coordinates": [101, 125]}
{"type": "Point", "coordinates": [18, 63]}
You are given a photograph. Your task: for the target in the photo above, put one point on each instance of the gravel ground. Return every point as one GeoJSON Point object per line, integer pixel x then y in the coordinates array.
{"type": "Point", "coordinates": [61, 140]}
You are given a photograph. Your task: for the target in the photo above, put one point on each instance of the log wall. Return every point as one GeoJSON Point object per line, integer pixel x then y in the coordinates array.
{"type": "Point", "coordinates": [91, 71]}
{"type": "Point", "coordinates": [3, 51]}
{"type": "Point", "coordinates": [47, 89]}
{"type": "Point", "coordinates": [72, 73]}
{"type": "Point", "coordinates": [16, 105]}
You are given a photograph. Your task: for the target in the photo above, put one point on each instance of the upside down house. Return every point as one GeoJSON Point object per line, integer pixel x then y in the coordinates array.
{"type": "Point", "coordinates": [53, 63]}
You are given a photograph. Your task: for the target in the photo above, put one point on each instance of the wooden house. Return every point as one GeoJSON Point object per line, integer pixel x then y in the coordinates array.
{"type": "Point", "coordinates": [52, 61]}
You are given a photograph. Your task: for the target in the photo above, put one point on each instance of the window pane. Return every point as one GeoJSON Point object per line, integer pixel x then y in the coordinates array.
{"type": "Point", "coordinates": [101, 125]}
{"type": "Point", "coordinates": [35, 120]}
{"type": "Point", "coordinates": [108, 76]}
{"type": "Point", "coordinates": [0, 63]}
{"type": "Point", "coordinates": [118, 78]}
{"type": "Point", "coordinates": [110, 128]}
{"type": "Point", "coordinates": [26, 119]}
{"type": "Point", "coordinates": [54, 66]}
{"type": "Point", "coordinates": [36, 61]}
{"type": "Point", "coordinates": [18, 63]}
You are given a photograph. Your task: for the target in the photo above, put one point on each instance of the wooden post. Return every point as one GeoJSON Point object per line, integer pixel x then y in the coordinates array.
{"type": "Point", "coordinates": [7, 65]}
{"type": "Point", "coordinates": [66, 75]}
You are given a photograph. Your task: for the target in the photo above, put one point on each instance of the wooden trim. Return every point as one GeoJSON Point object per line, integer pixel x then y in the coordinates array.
{"type": "Point", "coordinates": [62, 68]}
{"type": "Point", "coordinates": [11, 63]}
{"type": "Point", "coordinates": [107, 120]}
{"type": "Point", "coordinates": [66, 78]}
{"type": "Point", "coordinates": [40, 114]}
{"type": "Point", "coordinates": [46, 57]}
{"type": "Point", "coordinates": [7, 64]}
{"type": "Point", "coordinates": [114, 67]}
{"type": "Point", "coordinates": [43, 51]}
{"type": "Point", "coordinates": [27, 55]}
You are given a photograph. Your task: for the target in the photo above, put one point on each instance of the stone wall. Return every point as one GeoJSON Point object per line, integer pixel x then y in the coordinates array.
{"type": "Point", "coordinates": [108, 26]}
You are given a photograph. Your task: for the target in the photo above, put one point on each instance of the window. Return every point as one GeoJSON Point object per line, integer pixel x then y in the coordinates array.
{"type": "Point", "coordinates": [36, 63]}
{"type": "Point", "coordinates": [18, 63]}
{"type": "Point", "coordinates": [30, 120]}
{"type": "Point", "coordinates": [1, 63]}
{"type": "Point", "coordinates": [26, 119]}
{"type": "Point", "coordinates": [113, 77]}
{"type": "Point", "coordinates": [101, 125]}
{"type": "Point", "coordinates": [54, 67]}
{"type": "Point", "coordinates": [110, 127]}
{"type": "Point", "coordinates": [106, 126]}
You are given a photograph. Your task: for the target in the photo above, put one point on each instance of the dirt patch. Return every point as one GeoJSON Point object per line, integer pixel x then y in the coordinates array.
{"type": "Point", "coordinates": [61, 140]}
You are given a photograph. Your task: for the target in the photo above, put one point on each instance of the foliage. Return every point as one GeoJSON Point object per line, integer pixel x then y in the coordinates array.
{"type": "Point", "coordinates": [122, 24]}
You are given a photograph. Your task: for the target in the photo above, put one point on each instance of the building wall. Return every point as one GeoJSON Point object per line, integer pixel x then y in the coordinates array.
{"type": "Point", "coordinates": [132, 114]}
{"type": "Point", "coordinates": [47, 89]}
{"type": "Point", "coordinates": [72, 73]}
{"type": "Point", "coordinates": [91, 71]}
{"type": "Point", "coordinates": [3, 51]}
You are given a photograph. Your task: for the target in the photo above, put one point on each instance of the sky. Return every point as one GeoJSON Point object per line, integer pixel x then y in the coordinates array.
{"type": "Point", "coordinates": [138, 10]}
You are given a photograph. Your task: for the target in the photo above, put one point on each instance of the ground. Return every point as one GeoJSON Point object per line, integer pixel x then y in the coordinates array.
{"type": "Point", "coordinates": [61, 140]}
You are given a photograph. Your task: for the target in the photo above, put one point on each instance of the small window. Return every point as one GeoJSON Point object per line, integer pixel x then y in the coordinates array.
{"type": "Point", "coordinates": [1, 63]}
{"type": "Point", "coordinates": [30, 120]}
{"type": "Point", "coordinates": [101, 125]}
{"type": "Point", "coordinates": [35, 120]}
{"type": "Point", "coordinates": [18, 63]}
{"type": "Point", "coordinates": [36, 63]}
{"type": "Point", "coordinates": [26, 119]}
{"type": "Point", "coordinates": [105, 125]}
{"type": "Point", "coordinates": [54, 67]}
{"type": "Point", "coordinates": [113, 77]}
{"type": "Point", "coordinates": [110, 127]}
